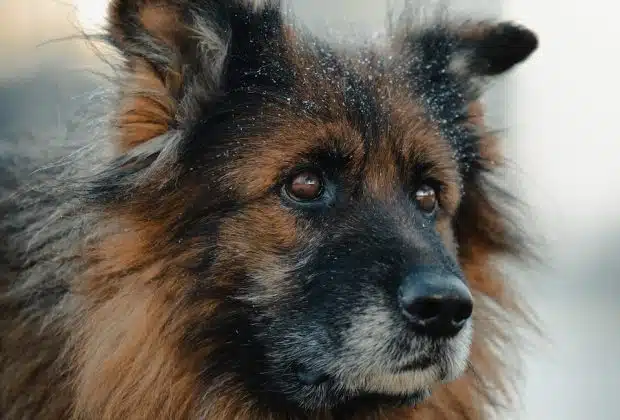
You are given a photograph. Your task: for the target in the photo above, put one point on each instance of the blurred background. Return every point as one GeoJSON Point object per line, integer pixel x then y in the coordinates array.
{"type": "Point", "coordinates": [557, 113]}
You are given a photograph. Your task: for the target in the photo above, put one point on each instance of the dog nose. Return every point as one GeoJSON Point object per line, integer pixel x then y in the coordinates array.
{"type": "Point", "coordinates": [435, 304]}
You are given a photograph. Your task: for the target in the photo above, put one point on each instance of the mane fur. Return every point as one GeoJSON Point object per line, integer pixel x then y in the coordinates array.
{"type": "Point", "coordinates": [64, 254]}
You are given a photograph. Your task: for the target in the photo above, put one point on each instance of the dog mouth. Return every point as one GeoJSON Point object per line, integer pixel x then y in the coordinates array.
{"type": "Point", "coordinates": [366, 399]}
{"type": "Point", "coordinates": [311, 377]}
{"type": "Point", "coordinates": [370, 399]}
{"type": "Point", "coordinates": [394, 401]}
{"type": "Point", "coordinates": [318, 379]}
{"type": "Point", "coordinates": [402, 373]}
{"type": "Point", "coordinates": [419, 363]}
{"type": "Point", "coordinates": [308, 376]}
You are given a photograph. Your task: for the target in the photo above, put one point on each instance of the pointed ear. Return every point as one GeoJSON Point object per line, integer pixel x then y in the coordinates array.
{"type": "Point", "coordinates": [461, 57]}
{"type": "Point", "coordinates": [446, 65]}
{"type": "Point", "coordinates": [161, 41]}
{"type": "Point", "coordinates": [485, 50]}
{"type": "Point", "coordinates": [492, 49]}
{"type": "Point", "coordinates": [180, 54]}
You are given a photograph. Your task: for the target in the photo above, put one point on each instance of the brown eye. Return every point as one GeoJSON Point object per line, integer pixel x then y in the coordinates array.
{"type": "Point", "coordinates": [426, 198]}
{"type": "Point", "coordinates": [305, 186]}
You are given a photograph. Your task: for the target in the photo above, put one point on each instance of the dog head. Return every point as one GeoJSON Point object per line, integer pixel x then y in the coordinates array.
{"type": "Point", "coordinates": [323, 202]}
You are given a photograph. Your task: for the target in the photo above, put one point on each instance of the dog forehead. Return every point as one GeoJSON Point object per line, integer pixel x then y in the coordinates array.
{"type": "Point", "coordinates": [368, 90]}
{"type": "Point", "coordinates": [365, 92]}
{"type": "Point", "coordinates": [367, 85]}
{"type": "Point", "coordinates": [341, 105]}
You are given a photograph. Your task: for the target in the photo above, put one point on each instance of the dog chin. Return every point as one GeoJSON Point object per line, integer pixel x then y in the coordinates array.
{"type": "Point", "coordinates": [395, 383]}
{"type": "Point", "coordinates": [333, 394]}
{"type": "Point", "coordinates": [423, 373]}
{"type": "Point", "coordinates": [383, 379]}
{"type": "Point", "coordinates": [395, 401]}
{"type": "Point", "coordinates": [390, 388]}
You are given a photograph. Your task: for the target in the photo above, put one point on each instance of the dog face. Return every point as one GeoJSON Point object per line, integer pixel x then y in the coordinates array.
{"type": "Point", "coordinates": [313, 196]}
{"type": "Point", "coordinates": [330, 247]}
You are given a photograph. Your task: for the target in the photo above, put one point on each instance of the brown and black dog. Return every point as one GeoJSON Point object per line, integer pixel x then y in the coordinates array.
{"type": "Point", "coordinates": [286, 229]}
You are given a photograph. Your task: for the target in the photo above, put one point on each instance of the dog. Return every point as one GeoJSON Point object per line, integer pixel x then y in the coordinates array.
{"type": "Point", "coordinates": [281, 228]}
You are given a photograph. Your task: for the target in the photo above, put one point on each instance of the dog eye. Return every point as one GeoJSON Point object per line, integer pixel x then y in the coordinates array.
{"type": "Point", "coordinates": [426, 198]}
{"type": "Point", "coordinates": [305, 186]}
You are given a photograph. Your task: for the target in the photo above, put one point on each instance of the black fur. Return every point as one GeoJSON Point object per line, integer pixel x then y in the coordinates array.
{"type": "Point", "coordinates": [296, 352]}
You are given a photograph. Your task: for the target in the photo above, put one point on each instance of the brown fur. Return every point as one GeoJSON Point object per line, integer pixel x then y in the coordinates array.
{"type": "Point", "coordinates": [119, 339]}
{"type": "Point", "coordinates": [144, 304]}
{"type": "Point", "coordinates": [148, 104]}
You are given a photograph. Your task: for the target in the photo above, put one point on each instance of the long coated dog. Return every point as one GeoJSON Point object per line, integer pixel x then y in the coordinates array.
{"type": "Point", "coordinates": [282, 228]}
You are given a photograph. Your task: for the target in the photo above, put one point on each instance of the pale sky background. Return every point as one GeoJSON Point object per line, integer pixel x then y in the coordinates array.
{"type": "Point", "coordinates": [558, 113]}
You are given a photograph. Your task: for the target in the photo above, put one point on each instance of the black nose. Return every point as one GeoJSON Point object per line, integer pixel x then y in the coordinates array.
{"type": "Point", "coordinates": [435, 304]}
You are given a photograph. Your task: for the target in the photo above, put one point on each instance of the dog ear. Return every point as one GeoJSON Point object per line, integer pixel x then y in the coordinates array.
{"type": "Point", "coordinates": [492, 49]}
{"type": "Point", "coordinates": [184, 60]}
{"type": "Point", "coordinates": [464, 56]}
{"type": "Point", "coordinates": [446, 65]}
{"type": "Point", "coordinates": [181, 54]}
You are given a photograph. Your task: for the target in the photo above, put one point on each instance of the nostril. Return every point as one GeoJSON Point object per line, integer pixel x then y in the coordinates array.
{"type": "Point", "coordinates": [462, 312]}
{"type": "Point", "coordinates": [425, 309]}
{"type": "Point", "coordinates": [438, 316]}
